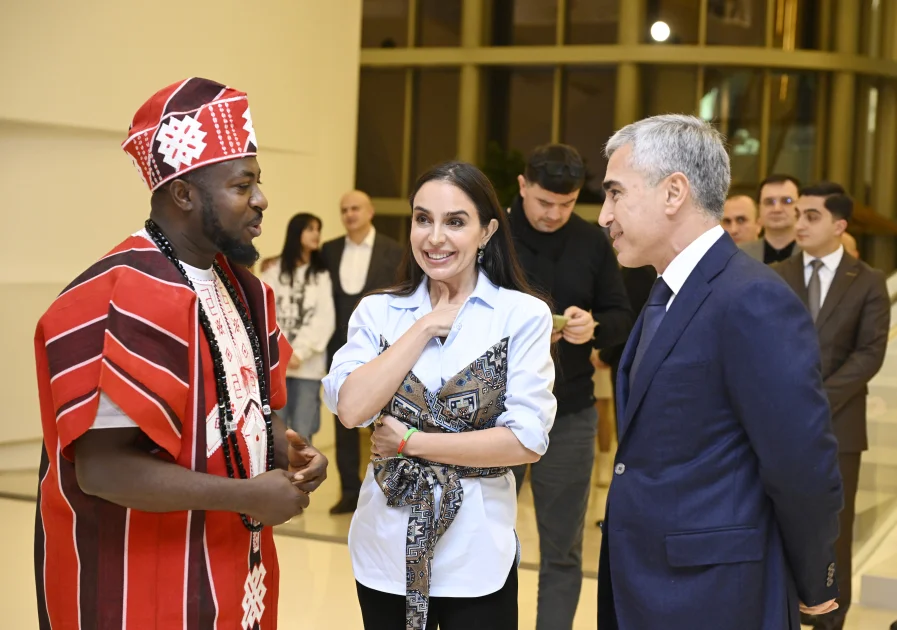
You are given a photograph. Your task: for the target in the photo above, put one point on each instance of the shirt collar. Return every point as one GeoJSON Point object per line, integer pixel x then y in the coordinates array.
{"type": "Point", "coordinates": [485, 291]}
{"type": "Point", "coordinates": [368, 240]}
{"type": "Point", "coordinates": [830, 262]}
{"type": "Point", "coordinates": [684, 263]}
{"type": "Point", "coordinates": [195, 273]}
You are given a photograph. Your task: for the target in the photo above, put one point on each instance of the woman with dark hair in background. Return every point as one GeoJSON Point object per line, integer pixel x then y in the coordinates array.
{"type": "Point", "coordinates": [305, 313]}
{"type": "Point", "coordinates": [454, 368]}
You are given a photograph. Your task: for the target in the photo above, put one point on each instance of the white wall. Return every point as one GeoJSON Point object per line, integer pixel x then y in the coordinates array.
{"type": "Point", "coordinates": [74, 73]}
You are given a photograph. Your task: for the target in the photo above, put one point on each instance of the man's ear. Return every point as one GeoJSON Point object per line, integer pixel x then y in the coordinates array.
{"type": "Point", "coordinates": [840, 226]}
{"type": "Point", "coordinates": [180, 192]}
{"type": "Point", "coordinates": [521, 181]}
{"type": "Point", "coordinates": [676, 190]}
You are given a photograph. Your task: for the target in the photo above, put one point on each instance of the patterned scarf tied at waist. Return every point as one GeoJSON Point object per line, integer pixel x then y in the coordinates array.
{"type": "Point", "coordinates": [409, 482]}
{"type": "Point", "coordinates": [472, 400]}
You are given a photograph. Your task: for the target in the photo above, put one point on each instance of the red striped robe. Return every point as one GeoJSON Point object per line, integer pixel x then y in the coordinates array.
{"type": "Point", "coordinates": [128, 326]}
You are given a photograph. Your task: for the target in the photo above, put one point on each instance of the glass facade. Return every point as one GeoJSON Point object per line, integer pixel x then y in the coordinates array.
{"type": "Point", "coordinates": [587, 120]}
{"type": "Point", "coordinates": [381, 116]}
{"type": "Point", "coordinates": [488, 80]}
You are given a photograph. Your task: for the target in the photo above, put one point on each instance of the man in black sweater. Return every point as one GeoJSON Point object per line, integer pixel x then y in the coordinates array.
{"type": "Point", "coordinates": [571, 260]}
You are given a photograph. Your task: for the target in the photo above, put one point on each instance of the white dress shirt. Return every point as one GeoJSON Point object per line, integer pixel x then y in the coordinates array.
{"type": "Point", "coordinates": [684, 263]}
{"type": "Point", "coordinates": [353, 266]}
{"type": "Point", "coordinates": [475, 555]}
{"type": "Point", "coordinates": [826, 271]}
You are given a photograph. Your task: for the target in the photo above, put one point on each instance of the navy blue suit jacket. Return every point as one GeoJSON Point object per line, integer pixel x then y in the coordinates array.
{"type": "Point", "coordinates": [723, 510]}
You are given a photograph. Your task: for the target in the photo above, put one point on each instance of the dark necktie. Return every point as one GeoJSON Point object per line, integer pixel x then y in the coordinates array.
{"type": "Point", "coordinates": [814, 289]}
{"type": "Point", "coordinates": [655, 309]}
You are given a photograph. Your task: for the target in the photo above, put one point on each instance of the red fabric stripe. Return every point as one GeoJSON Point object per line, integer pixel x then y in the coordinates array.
{"type": "Point", "coordinates": [156, 547]}
{"type": "Point", "coordinates": [149, 343]}
{"type": "Point", "coordinates": [167, 389]}
{"type": "Point", "coordinates": [62, 564]}
{"type": "Point", "coordinates": [153, 264]}
{"type": "Point", "coordinates": [279, 374]}
{"type": "Point", "coordinates": [166, 560]}
{"type": "Point", "coordinates": [76, 421]}
{"type": "Point", "coordinates": [86, 542]}
{"type": "Point", "coordinates": [151, 414]}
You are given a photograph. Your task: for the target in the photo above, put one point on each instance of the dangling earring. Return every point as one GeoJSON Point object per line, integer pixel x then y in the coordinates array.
{"type": "Point", "coordinates": [480, 253]}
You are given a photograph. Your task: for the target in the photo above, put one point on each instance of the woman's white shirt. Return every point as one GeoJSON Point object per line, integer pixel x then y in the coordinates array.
{"type": "Point", "coordinates": [475, 555]}
{"type": "Point", "coordinates": [306, 316]}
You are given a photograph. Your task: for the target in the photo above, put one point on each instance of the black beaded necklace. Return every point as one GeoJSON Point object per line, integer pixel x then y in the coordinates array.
{"type": "Point", "coordinates": [229, 442]}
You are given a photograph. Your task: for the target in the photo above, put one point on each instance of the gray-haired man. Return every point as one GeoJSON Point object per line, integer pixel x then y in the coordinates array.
{"type": "Point", "coordinates": [723, 511]}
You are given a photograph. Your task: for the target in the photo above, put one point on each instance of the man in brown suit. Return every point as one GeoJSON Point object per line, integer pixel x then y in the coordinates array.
{"type": "Point", "coordinates": [849, 303]}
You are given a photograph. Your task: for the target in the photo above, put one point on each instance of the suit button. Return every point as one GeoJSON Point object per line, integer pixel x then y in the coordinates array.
{"type": "Point", "coordinates": [620, 469]}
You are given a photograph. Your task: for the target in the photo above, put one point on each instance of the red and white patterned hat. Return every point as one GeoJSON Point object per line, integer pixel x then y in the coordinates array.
{"type": "Point", "coordinates": [188, 125]}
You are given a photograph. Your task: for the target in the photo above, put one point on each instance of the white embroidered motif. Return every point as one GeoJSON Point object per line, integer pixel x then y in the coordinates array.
{"type": "Point", "coordinates": [242, 384]}
{"type": "Point", "coordinates": [249, 128]}
{"type": "Point", "coordinates": [181, 141]}
{"type": "Point", "coordinates": [254, 597]}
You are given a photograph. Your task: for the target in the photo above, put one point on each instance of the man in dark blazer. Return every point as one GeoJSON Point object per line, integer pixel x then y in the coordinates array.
{"type": "Point", "coordinates": [849, 302]}
{"type": "Point", "coordinates": [723, 509]}
{"type": "Point", "coordinates": [360, 262]}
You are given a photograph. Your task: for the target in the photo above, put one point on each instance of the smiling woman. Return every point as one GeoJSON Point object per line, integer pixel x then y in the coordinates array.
{"type": "Point", "coordinates": [454, 363]}
{"type": "Point", "coordinates": [445, 240]}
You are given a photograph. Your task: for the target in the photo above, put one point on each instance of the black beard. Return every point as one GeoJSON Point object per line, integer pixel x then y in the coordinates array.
{"type": "Point", "coordinates": [241, 253]}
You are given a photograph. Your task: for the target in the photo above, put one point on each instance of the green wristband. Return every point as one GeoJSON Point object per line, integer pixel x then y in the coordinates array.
{"type": "Point", "coordinates": [404, 441]}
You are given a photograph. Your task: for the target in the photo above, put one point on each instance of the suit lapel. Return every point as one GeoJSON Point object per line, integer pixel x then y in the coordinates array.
{"type": "Point", "coordinates": [686, 303]}
{"type": "Point", "coordinates": [793, 274]}
{"type": "Point", "coordinates": [376, 254]}
{"type": "Point", "coordinates": [339, 246]}
{"type": "Point", "coordinates": [845, 274]}
{"type": "Point", "coordinates": [622, 392]}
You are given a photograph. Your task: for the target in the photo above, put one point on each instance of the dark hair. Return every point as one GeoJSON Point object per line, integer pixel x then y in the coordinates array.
{"type": "Point", "coordinates": [557, 168]}
{"type": "Point", "coordinates": [292, 248]}
{"type": "Point", "coordinates": [499, 258]}
{"type": "Point", "coordinates": [837, 201]}
{"type": "Point", "coordinates": [777, 178]}
{"type": "Point", "coordinates": [823, 189]}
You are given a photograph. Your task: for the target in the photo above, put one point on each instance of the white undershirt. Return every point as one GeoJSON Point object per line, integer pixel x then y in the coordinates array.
{"type": "Point", "coordinates": [353, 267]}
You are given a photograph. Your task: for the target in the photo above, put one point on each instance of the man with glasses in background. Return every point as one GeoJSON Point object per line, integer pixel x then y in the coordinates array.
{"type": "Point", "coordinates": [571, 260]}
{"type": "Point", "coordinates": [778, 216]}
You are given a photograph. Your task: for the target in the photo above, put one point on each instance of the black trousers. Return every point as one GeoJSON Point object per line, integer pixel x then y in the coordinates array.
{"type": "Point", "coordinates": [496, 611]}
{"type": "Point", "coordinates": [348, 459]}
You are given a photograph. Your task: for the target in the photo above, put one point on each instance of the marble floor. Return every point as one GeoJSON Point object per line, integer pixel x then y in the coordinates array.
{"type": "Point", "coordinates": [315, 562]}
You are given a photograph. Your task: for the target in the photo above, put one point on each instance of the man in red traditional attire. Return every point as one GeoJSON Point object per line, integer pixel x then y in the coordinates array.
{"type": "Point", "coordinates": [163, 466]}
